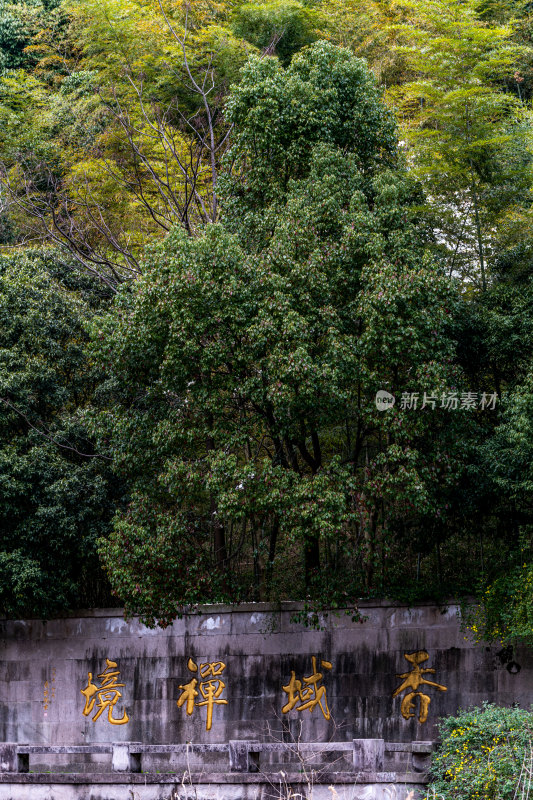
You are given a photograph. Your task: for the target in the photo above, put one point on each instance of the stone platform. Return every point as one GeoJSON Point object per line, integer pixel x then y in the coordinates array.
{"type": "Point", "coordinates": [223, 786]}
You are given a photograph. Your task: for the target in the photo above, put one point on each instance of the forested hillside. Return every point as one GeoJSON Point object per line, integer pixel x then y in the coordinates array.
{"type": "Point", "coordinates": [224, 228]}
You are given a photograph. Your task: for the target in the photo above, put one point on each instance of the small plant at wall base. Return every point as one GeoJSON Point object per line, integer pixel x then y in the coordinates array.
{"type": "Point", "coordinates": [505, 611]}
{"type": "Point", "coordinates": [483, 756]}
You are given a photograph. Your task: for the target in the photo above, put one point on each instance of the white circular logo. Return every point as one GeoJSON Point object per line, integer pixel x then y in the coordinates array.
{"type": "Point", "coordinates": [384, 400]}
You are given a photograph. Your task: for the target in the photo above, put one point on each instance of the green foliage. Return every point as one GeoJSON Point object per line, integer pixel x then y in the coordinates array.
{"type": "Point", "coordinates": [280, 26]}
{"type": "Point", "coordinates": [104, 118]}
{"type": "Point", "coordinates": [314, 289]}
{"type": "Point", "coordinates": [56, 495]}
{"type": "Point", "coordinates": [481, 754]}
{"type": "Point", "coordinates": [325, 95]}
{"type": "Point", "coordinates": [468, 139]}
{"type": "Point", "coordinates": [505, 612]}
{"type": "Point", "coordinates": [240, 405]}
{"type": "Point", "coordinates": [14, 36]}
{"type": "Point", "coordinates": [512, 443]}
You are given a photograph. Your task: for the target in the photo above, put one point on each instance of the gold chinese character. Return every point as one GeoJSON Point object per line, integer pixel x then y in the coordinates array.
{"type": "Point", "coordinates": [310, 695]}
{"type": "Point", "coordinates": [413, 680]}
{"type": "Point", "coordinates": [210, 689]}
{"type": "Point", "coordinates": [107, 694]}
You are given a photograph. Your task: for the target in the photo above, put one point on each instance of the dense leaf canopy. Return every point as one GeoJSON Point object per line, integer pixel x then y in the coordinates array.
{"type": "Point", "coordinates": [225, 226]}
{"type": "Point", "coordinates": [56, 495]}
{"type": "Point", "coordinates": [245, 370]}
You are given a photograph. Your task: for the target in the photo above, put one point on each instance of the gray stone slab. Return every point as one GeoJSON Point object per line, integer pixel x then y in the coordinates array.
{"type": "Point", "coordinates": [178, 791]}
{"type": "Point", "coordinates": [261, 647]}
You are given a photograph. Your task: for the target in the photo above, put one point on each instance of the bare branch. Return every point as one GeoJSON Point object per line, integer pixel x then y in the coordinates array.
{"type": "Point", "coordinates": [47, 435]}
{"type": "Point", "coordinates": [169, 173]}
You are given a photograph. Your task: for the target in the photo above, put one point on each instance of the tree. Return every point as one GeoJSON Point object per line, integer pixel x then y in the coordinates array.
{"type": "Point", "coordinates": [57, 494]}
{"type": "Point", "coordinates": [468, 140]}
{"type": "Point", "coordinates": [19, 23]}
{"type": "Point", "coordinates": [280, 27]}
{"type": "Point", "coordinates": [369, 29]}
{"type": "Point", "coordinates": [279, 115]}
{"type": "Point", "coordinates": [129, 142]}
{"type": "Point", "coordinates": [506, 602]}
{"type": "Point", "coordinates": [245, 364]}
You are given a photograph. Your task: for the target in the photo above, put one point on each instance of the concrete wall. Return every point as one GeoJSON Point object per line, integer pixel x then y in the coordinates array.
{"type": "Point", "coordinates": [260, 789]}
{"type": "Point", "coordinates": [44, 667]}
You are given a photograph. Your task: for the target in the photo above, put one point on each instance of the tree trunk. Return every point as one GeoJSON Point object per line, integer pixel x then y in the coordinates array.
{"type": "Point", "coordinates": [311, 558]}
{"type": "Point", "coordinates": [274, 531]}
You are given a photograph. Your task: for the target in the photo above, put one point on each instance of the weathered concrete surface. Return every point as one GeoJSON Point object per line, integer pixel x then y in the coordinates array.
{"type": "Point", "coordinates": [278, 786]}
{"type": "Point", "coordinates": [44, 666]}
{"type": "Point", "coordinates": [201, 792]}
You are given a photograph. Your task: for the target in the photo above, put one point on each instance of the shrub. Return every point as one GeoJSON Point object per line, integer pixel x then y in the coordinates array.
{"type": "Point", "coordinates": [482, 754]}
